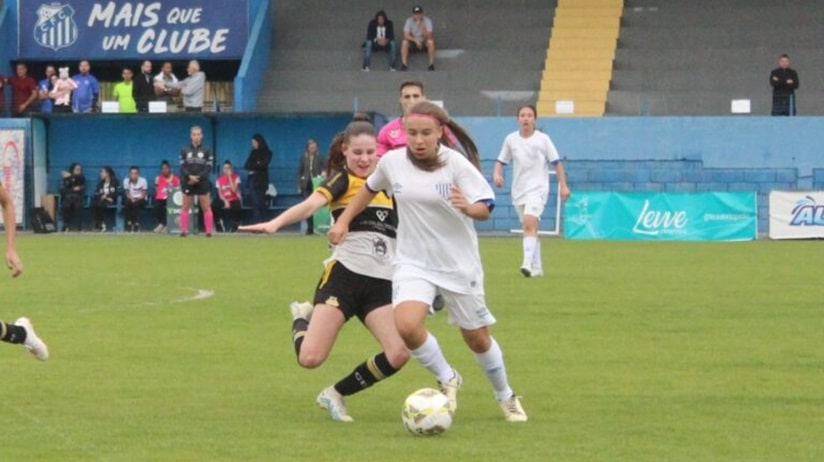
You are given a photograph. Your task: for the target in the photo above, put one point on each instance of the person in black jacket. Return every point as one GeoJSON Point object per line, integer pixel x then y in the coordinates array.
{"type": "Point", "coordinates": [196, 163]}
{"type": "Point", "coordinates": [143, 87]}
{"type": "Point", "coordinates": [105, 196]}
{"type": "Point", "coordinates": [311, 166]}
{"type": "Point", "coordinates": [257, 166]}
{"type": "Point", "coordinates": [380, 35]}
{"type": "Point", "coordinates": [72, 191]}
{"type": "Point", "coordinates": [784, 81]}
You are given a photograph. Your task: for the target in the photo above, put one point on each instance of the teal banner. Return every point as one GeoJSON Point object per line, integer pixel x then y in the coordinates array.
{"type": "Point", "coordinates": [710, 216]}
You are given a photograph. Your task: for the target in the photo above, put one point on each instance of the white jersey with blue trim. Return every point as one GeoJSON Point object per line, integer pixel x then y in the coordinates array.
{"type": "Point", "coordinates": [435, 241]}
{"type": "Point", "coordinates": [530, 159]}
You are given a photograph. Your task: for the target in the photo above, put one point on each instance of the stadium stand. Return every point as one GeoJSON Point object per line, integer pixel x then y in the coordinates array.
{"type": "Point", "coordinates": [579, 59]}
{"type": "Point", "coordinates": [692, 57]}
{"type": "Point", "coordinates": [490, 56]}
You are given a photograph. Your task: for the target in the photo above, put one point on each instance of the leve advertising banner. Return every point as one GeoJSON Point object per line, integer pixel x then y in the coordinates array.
{"type": "Point", "coordinates": [168, 29]}
{"type": "Point", "coordinates": [796, 214]}
{"type": "Point", "coordinates": [710, 216]}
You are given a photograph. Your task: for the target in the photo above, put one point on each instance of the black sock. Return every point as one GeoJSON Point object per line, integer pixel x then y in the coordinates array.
{"type": "Point", "coordinates": [10, 333]}
{"type": "Point", "coordinates": [299, 327]}
{"type": "Point", "coordinates": [365, 375]}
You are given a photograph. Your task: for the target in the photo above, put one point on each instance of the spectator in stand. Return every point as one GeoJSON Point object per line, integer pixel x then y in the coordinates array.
{"type": "Point", "coordinates": [44, 87]}
{"type": "Point", "coordinates": [165, 183]}
{"type": "Point", "coordinates": [135, 192]}
{"type": "Point", "coordinates": [23, 91]}
{"type": "Point", "coordinates": [311, 166]}
{"type": "Point", "coordinates": [417, 36]}
{"type": "Point", "coordinates": [87, 93]}
{"type": "Point", "coordinates": [191, 88]}
{"type": "Point", "coordinates": [228, 190]}
{"type": "Point", "coordinates": [61, 92]}
{"type": "Point", "coordinates": [784, 81]}
{"type": "Point", "coordinates": [72, 193]}
{"type": "Point", "coordinates": [163, 82]}
{"type": "Point", "coordinates": [257, 166]}
{"type": "Point", "coordinates": [124, 93]}
{"type": "Point", "coordinates": [380, 35]}
{"type": "Point", "coordinates": [143, 90]}
{"type": "Point", "coordinates": [105, 196]}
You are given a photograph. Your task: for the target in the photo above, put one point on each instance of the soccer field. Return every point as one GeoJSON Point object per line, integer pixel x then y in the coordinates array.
{"type": "Point", "coordinates": [624, 351]}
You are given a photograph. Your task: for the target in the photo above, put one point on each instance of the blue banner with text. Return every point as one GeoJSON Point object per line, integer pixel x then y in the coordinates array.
{"type": "Point", "coordinates": [168, 29]}
{"type": "Point", "coordinates": [711, 216]}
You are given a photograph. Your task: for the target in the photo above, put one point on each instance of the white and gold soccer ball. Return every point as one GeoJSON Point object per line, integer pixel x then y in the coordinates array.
{"type": "Point", "coordinates": [426, 412]}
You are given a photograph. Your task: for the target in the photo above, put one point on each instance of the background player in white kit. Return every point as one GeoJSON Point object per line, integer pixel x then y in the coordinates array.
{"type": "Point", "coordinates": [531, 153]}
{"type": "Point", "coordinates": [438, 193]}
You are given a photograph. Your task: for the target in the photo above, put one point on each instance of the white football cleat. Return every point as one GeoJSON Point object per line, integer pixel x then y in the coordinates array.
{"type": "Point", "coordinates": [450, 389]}
{"type": "Point", "coordinates": [332, 401]}
{"type": "Point", "coordinates": [33, 343]}
{"type": "Point", "coordinates": [301, 310]}
{"type": "Point", "coordinates": [537, 273]}
{"type": "Point", "coordinates": [513, 411]}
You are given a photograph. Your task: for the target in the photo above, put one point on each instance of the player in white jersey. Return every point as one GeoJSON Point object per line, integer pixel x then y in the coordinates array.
{"type": "Point", "coordinates": [357, 280]}
{"type": "Point", "coordinates": [531, 152]}
{"type": "Point", "coordinates": [438, 193]}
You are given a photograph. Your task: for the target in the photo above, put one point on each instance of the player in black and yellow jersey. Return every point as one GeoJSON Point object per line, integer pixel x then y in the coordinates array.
{"type": "Point", "coordinates": [357, 280]}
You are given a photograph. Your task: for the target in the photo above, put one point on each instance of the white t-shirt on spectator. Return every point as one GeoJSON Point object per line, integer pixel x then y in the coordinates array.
{"type": "Point", "coordinates": [411, 27]}
{"type": "Point", "coordinates": [135, 190]}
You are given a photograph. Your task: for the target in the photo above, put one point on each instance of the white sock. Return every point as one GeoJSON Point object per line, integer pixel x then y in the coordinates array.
{"type": "Point", "coordinates": [431, 357]}
{"type": "Point", "coordinates": [529, 250]}
{"type": "Point", "coordinates": [492, 363]}
{"type": "Point", "coordinates": [536, 257]}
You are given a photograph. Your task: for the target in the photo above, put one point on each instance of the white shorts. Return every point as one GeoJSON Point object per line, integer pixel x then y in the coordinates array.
{"type": "Point", "coordinates": [534, 206]}
{"type": "Point", "coordinates": [467, 311]}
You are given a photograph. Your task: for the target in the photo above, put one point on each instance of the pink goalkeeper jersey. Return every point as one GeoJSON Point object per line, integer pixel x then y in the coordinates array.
{"type": "Point", "coordinates": [393, 136]}
{"type": "Point", "coordinates": [163, 185]}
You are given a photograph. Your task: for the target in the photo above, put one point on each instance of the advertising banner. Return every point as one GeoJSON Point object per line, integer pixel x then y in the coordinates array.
{"type": "Point", "coordinates": [12, 151]}
{"type": "Point", "coordinates": [174, 204]}
{"type": "Point", "coordinates": [168, 29]}
{"type": "Point", "coordinates": [796, 214]}
{"type": "Point", "coordinates": [708, 216]}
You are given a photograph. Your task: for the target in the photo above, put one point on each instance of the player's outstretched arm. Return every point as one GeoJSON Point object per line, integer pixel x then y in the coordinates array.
{"type": "Point", "coordinates": [294, 214]}
{"type": "Point", "coordinates": [12, 259]}
{"type": "Point", "coordinates": [337, 233]}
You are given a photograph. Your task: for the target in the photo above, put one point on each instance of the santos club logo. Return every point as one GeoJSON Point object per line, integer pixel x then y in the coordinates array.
{"type": "Point", "coordinates": [55, 27]}
{"type": "Point", "coordinates": [807, 213]}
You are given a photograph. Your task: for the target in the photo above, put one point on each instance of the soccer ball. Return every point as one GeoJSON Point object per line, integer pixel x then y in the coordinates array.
{"type": "Point", "coordinates": [426, 412]}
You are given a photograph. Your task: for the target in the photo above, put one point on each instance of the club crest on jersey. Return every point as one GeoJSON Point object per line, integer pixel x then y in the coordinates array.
{"type": "Point", "coordinates": [200, 155]}
{"type": "Point", "coordinates": [443, 189]}
{"type": "Point", "coordinates": [55, 27]}
{"type": "Point", "coordinates": [382, 214]}
{"type": "Point", "coordinates": [379, 248]}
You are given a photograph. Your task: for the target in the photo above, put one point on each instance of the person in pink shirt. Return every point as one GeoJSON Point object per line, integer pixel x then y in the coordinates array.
{"type": "Point", "coordinates": [228, 190]}
{"type": "Point", "coordinates": [393, 135]}
{"type": "Point", "coordinates": [62, 91]}
{"type": "Point", "coordinates": [165, 183]}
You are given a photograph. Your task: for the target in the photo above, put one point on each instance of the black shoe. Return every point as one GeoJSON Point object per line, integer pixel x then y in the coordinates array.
{"type": "Point", "coordinates": [437, 303]}
{"type": "Point", "coordinates": [431, 67]}
{"type": "Point", "coordinates": [404, 68]}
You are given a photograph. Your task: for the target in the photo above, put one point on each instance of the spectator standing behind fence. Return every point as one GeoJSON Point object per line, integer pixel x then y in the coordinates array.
{"type": "Point", "coordinates": [105, 196]}
{"type": "Point", "coordinates": [311, 166]}
{"type": "Point", "coordinates": [257, 166]}
{"type": "Point", "coordinates": [87, 93]}
{"type": "Point", "coordinates": [191, 88]}
{"type": "Point", "coordinates": [380, 35]}
{"type": "Point", "coordinates": [228, 191]}
{"type": "Point", "coordinates": [44, 87]}
{"type": "Point", "coordinates": [784, 81]}
{"type": "Point", "coordinates": [124, 93]}
{"type": "Point", "coordinates": [135, 192]}
{"type": "Point", "coordinates": [143, 90]}
{"type": "Point", "coordinates": [417, 36]}
{"type": "Point", "coordinates": [23, 91]}
{"type": "Point", "coordinates": [72, 192]}
{"type": "Point", "coordinates": [165, 183]}
{"type": "Point", "coordinates": [62, 92]}
{"type": "Point", "coordinates": [163, 83]}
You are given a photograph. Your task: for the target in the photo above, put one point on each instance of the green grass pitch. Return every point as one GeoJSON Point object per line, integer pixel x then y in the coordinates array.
{"type": "Point", "coordinates": [623, 352]}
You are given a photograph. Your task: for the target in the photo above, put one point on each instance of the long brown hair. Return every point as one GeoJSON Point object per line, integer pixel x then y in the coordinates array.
{"type": "Point", "coordinates": [470, 150]}
{"type": "Point", "coordinates": [337, 161]}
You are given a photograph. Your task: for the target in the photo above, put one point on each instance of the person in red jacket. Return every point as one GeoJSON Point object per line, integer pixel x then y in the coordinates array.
{"type": "Point", "coordinates": [23, 91]}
